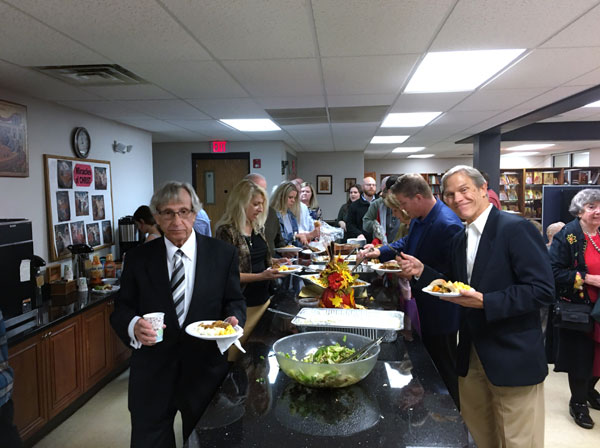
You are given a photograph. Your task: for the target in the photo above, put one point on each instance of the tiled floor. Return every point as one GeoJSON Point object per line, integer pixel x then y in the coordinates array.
{"type": "Point", "coordinates": [104, 420]}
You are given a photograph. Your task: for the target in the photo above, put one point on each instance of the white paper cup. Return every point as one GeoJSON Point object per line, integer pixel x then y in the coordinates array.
{"type": "Point", "coordinates": [156, 320]}
{"type": "Point", "coordinates": [82, 284]}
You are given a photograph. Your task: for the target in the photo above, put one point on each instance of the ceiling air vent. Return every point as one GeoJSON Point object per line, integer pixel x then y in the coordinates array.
{"type": "Point", "coordinates": [92, 75]}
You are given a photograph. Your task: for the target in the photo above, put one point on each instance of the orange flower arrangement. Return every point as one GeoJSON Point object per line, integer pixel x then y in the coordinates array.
{"type": "Point", "coordinates": [337, 280]}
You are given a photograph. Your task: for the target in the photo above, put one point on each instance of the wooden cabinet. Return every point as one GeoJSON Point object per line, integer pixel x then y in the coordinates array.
{"type": "Point", "coordinates": [54, 368]}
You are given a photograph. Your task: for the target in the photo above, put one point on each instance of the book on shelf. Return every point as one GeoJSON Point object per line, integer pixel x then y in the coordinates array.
{"type": "Point", "coordinates": [513, 179]}
{"type": "Point", "coordinates": [595, 179]}
{"type": "Point", "coordinates": [528, 178]}
{"type": "Point", "coordinates": [584, 177]}
{"type": "Point", "coordinates": [538, 194]}
{"type": "Point", "coordinates": [529, 194]}
{"type": "Point", "coordinates": [537, 177]}
{"type": "Point", "coordinates": [548, 178]}
{"type": "Point", "coordinates": [512, 194]}
{"type": "Point", "coordinates": [502, 196]}
{"type": "Point", "coordinates": [503, 179]}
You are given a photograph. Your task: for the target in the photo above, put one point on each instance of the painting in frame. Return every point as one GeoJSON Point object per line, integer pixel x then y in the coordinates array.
{"type": "Point", "coordinates": [349, 182]}
{"type": "Point", "coordinates": [14, 154]}
{"type": "Point", "coordinates": [324, 184]}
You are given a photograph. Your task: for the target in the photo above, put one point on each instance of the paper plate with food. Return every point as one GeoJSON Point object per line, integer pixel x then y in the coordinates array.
{"type": "Point", "coordinates": [288, 248]}
{"type": "Point", "coordinates": [288, 268]}
{"type": "Point", "coordinates": [445, 288]}
{"type": "Point", "coordinates": [105, 289]}
{"type": "Point", "coordinates": [213, 330]}
{"type": "Point", "coordinates": [391, 266]}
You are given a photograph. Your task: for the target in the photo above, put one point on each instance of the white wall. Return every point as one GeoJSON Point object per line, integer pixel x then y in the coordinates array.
{"type": "Point", "coordinates": [525, 162]}
{"type": "Point", "coordinates": [337, 164]}
{"type": "Point", "coordinates": [49, 129]}
{"type": "Point", "coordinates": [173, 161]}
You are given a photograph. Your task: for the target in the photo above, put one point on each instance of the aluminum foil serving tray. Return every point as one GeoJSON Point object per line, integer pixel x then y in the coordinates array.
{"type": "Point", "coordinates": [370, 323]}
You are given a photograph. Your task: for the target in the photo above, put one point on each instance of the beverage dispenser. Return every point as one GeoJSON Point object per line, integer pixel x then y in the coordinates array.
{"type": "Point", "coordinates": [128, 235]}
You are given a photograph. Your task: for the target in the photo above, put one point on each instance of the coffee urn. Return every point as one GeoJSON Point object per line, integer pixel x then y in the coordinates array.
{"type": "Point", "coordinates": [79, 255]}
{"type": "Point", "coordinates": [128, 235]}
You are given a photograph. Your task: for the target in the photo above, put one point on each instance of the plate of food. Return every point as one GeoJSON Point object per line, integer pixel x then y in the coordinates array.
{"type": "Point", "coordinates": [391, 266]}
{"type": "Point", "coordinates": [213, 330]}
{"type": "Point", "coordinates": [316, 248]}
{"type": "Point", "coordinates": [315, 279]}
{"type": "Point", "coordinates": [288, 248]}
{"type": "Point", "coordinates": [288, 268]}
{"type": "Point", "coordinates": [444, 288]}
{"type": "Point", "coordinates": [105, 289]}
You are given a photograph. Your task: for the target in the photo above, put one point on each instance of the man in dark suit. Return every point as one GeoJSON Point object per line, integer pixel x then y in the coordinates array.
{"type": "Point", "coordinates": [501, 360]}
{"type": "Point", "coordinates": [188, 277]}
{"type": "Point", "coordinates": [431, 229]}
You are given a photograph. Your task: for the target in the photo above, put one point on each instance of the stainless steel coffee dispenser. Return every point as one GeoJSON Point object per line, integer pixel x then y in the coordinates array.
{"type": "Point", "coordinates": [128, 235]}
{"type": "Point", "coordinates": [79, 254]}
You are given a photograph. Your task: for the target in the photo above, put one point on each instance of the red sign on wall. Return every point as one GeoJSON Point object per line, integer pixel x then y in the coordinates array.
{"type": "Point", "coordinates": [219, 146]}
{"type": "Point", "coordinates": [255, 163]}
{"type": "Point", "coordinates": [82, 175]}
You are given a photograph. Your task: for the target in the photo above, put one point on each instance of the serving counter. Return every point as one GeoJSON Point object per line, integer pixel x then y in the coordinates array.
{"type": "Point", "coordinates": [403, 402]}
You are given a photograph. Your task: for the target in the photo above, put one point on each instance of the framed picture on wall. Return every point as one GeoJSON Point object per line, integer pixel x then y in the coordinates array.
{"type": "Point", "coordinates": [324, 184]}
{"type": "Point", "coordinates": [79, 204]}
{"type": "Point", "coordinates": [348, 183]}
{"type": "Point", "coordinates": [14, 155]}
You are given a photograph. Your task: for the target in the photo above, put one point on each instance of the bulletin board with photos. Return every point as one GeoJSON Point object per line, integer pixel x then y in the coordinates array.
{"type": "Point", "coordinates": [79, 204]}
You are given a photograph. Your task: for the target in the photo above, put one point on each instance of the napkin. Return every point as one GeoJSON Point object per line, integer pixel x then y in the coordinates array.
{"type": "Point", "coordinates": [224, 344]}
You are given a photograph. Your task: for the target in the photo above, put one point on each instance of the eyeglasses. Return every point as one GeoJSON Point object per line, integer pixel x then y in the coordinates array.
{"type": "Point", "coordinates": [170, 214]}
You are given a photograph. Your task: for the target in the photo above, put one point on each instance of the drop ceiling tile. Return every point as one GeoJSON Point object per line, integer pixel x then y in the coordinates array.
{"type": "Point", "coordinates": [370, 75]}
{"type": "Point", "coordinates": [277, 77]}
{"type": "Point", "coordinates": [358, 27]}
{"type": "Point", "coordinates": [311, 136]}
{"type": "Point", "coordinates": [259, 29]}
{"type": "Point", "coordinates": [590, 79]}
{"type": "Point", "coordinates": [290, 102]}
{"type": "Point", "coordinates": [178, 136]}
{"type": "Point", "coordinates": [39, 85]}
{"type": "Point", "coordinates": [492, 24]}
{"type": "Point", "coordinates": [152, 125]}
{"type": "Point", "coordinates": [547, 98]}
{"type": "Point", "coordinates": [125, 32]}
{"type": "Point", "coordinates": [488, 99]}
{"type": "Point", "coordinates": [167, 109]}
{"type": "Point", "coordinates": [424, 102]}
{"type": "Point", "coordinates": [114, 110]}
{"type": "Point", "coordinates": [584, 32]}
{"type": "Point", "coordinates": [361, 100]}
{"type": "Point", "coordinates": [353, 136]}
{"type": "Point", "coordinates": [40, 45]}
{"type": "Point", "coordinates": [191, 79]}
{"type": "Point", "coordinates": [130, 92]}
{"type": "Point", "coordinates": [230, 108]}
{"type": "Point", "coordinates": [213, 129]}
{"type": "Point", "coordinates": [548, 68]}
{"type": "Point", "coordinates": [574, 115]}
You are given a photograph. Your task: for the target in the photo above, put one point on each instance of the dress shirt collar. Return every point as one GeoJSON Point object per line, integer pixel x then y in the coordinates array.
{"type": "Point", "coordinates": [188, 248]}
{"type": "Point", "coordinates": [479, 223]}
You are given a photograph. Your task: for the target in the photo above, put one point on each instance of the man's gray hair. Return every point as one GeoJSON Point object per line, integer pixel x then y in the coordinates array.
{"type": "Point", "coordinates": [581, 199]}
{"type": "Point", "coordinates": [469, 171]}
{"type": "Point", "coordinates": [169, 192]}
{"type": "Point", "coordinates": [254, 177]}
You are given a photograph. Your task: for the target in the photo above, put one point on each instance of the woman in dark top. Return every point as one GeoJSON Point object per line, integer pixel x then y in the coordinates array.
{"type": "Point", "coordinates": [575, 258]}
{"type": "Point", "coordinates": [353, 194]}
{"type": "Point", "coordinates": [242, 226]}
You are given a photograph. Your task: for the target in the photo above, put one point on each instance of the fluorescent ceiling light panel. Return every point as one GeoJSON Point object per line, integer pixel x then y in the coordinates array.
{"type": "Point", "coordinates": [459, 71]}
{"type": "Point", "coordinates": [252, 125]}
{"type": "Point", "coordinates": [530, 147]}
{"type": "Point", "coordinates": [594, 104]}
{"type": "Point", "coordinates": [389, 139]}
{"type": "Point", "coordinates": [520, 154]}
{"type": "Point", "coordinates": [420, 156]}
{"type": "Point", "coordinates": [406, 149]}
{"type": "Point", "coordinates": [409, 120]}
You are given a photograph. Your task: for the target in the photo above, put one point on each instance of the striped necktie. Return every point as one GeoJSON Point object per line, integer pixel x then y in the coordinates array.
{"type": "Point", "coordinates": [178, 285]}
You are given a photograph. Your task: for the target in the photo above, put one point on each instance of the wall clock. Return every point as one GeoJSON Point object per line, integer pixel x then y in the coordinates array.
{"type": "Point", "coordinates": [82, 143]}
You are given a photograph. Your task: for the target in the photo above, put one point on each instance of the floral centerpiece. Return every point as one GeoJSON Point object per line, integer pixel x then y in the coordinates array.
{"type": "Point", "coordinates": [337, 280]}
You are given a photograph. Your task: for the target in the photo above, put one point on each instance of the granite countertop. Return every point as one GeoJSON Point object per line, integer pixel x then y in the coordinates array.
{"type": "Point", "coordinates": [403, 402]}
{"type": "Point", "coordinates": [59, 308]}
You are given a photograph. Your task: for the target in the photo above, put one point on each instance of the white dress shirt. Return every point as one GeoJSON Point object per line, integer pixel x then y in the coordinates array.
{"type": "Point", "coordinates": [305, 223]}
{"type": "Point", "coordinates": [474, 231]}
{"type": "Point", "coordinates": [189, 265]}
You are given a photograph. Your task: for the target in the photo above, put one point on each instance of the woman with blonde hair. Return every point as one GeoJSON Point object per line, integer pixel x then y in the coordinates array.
{"type": "Point", "coordinates": [284, 201]}
{"type": "Point", "coordinates": [242, 226]}
{"type": "Point", "coordinates": [392, 203]}
{"type": "Point", "coordinates": [308, 198]}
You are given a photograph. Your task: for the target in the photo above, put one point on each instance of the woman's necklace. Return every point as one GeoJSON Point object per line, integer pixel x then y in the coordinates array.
{"type": "Point", "coordinates": [593, 242]}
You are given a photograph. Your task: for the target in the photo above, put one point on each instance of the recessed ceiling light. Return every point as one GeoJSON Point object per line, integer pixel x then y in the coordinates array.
{"type": "Point", "coordinates": [459, 71]}
{"type": "Point", "coordinates": [389, 139]}
{"type": "Point", "coordinates": [401, 149]}
{"type": "Point", "coordinates": [594, 104]}
{"type": "Point", "coordinates": [252, 125]}
{"type": "Point", "coordinates": [408, 120]}
{"type": "Point", "coordinates": [420, 156]}
{"type": "Point", "coordinates": [530, 147]}
{"type": "Point", "coordinates": [520, 154]}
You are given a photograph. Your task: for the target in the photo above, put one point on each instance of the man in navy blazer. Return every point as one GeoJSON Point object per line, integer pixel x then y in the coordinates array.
{"type": "Point", "coordinates": [501, 359]}
{"type": "Point", "coordinates": [431, 229]}
{"type": "Point", "coordinates": [181, 372]}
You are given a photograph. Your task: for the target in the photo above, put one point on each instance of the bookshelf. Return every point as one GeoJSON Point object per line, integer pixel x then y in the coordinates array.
{"type": "Point", "coordinates": [511, 190]}
{"type": "Point", "coordinates": [435, 182]}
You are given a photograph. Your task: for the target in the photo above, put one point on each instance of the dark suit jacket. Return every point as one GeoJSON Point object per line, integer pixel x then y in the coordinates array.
{"type": "Point", "coordinates": [196, 365]}
{"type": "Point", "coordinates": [512, 270]}
{"type": "Point", "coordinates": [433, 249]}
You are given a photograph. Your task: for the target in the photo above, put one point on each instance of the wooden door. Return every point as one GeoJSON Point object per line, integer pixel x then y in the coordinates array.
{"type": "Point", "coordinates": [27, 361]}
{"type": "Point", "coordinates": [223, 173]}
{"type": "Point", "coordinates": [96, 352]}
{"type": "Point", "coordinates": [64, 365]}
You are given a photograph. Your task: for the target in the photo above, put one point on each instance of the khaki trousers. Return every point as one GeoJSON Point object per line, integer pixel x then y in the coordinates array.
{"type": "Point", "coordinates": [507, 417]}
{"type": "Point", "coordinates": [253, 315]}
